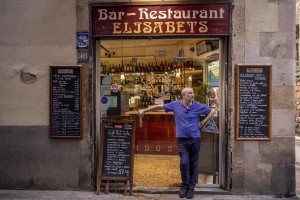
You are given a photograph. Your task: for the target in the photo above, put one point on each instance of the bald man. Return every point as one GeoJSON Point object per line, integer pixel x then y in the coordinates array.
{"type": "Point", "coordinates": [187, 114]}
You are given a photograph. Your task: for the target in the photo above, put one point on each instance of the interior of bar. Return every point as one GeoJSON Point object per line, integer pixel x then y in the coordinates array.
{"type": "Point", "coordinates": [138, 73]}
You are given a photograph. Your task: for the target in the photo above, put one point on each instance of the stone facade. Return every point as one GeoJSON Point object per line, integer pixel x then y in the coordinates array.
{"type": "Point", "coordinates": [297, 89]}
{"type": "Point", "coordinates": [297, 107]}
{"type": "Point", "coordinates": [35, 34]}
{"type": "Point", "coordinates": [261, 37]}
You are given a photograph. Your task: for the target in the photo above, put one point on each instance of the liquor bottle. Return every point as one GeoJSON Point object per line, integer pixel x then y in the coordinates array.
{"type": "Point", "coordinates": [143, 67]}
{"type": "Point", "coordinates": [109, 68]}
{"type": "Point", "coordinates": [112, 68]}
{"type": "Point", "coordinates": [133, 69]}
{"type": "Point", "coordinates": [149, 67]}
{"type": "Point", "coordinates": [124, 67]}
{"type": "Point", "coordinates": [156, 67]}
{"type": "Point", "coordinates": [116, 68]}
{"type": "Point", "coordinates": [151, 101]}
{"type": "Point", "coordinates": [161, 66]}
{"type": "Point", "coordinates": [152, 67]}
{"type": "Point", "coordinates": [102, 68]}
{"type": "Point", "coordinates": [130, 66]}
{"type": "Point", "coordinates": [165, 66]}
{"type": "Point", "coordinates": [146, 101]}
{"type": "Point", "coordinates": [170, 66]}
{"type": "Point", "coordinates": [127, 67]}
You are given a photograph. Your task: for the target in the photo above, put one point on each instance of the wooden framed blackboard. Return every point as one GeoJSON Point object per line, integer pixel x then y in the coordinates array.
{"type": "Point", "coordinates": [253, 102]}
{"type": "Point", "coordinates": [66, 101]}
{"type": "Point", "coordinates": [116, 153]}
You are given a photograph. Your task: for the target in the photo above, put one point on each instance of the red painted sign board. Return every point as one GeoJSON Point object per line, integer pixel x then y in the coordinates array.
{"type": "Point", "coordinates": [161, 20]}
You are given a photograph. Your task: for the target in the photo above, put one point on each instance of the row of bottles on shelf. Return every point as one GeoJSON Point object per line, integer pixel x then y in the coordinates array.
{"type": "Point", "coordinates": [146, 101]}
{"type": "Point", "coordinates": [145, 78]}
{"type": "Point", "coordinates": [140, 67]}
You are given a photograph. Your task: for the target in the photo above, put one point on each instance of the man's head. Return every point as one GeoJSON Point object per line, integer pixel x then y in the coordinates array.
{"type": "Point", "coordinates": [187, 94]}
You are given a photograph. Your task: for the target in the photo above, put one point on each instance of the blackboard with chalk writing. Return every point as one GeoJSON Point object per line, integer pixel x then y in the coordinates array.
{"type": "Point", "coordinates": [253, 102]}
{"type": "Point", "coordinates": [65, 101]}
{"type": "Point", "coordinates": [116, 151]}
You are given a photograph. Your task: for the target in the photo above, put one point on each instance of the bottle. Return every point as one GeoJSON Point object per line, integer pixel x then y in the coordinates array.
{"type": "Point", "coordinates": [130, 67]}
{"type": "Point", "coordinates": [112, 68]}
{"type": "Point", "coordinates": [102, 68]}
{"type": "Point", "coordinates": [161, 66]}
{"type": "Point", "coordinates": [170, 67]}
{"type": "Point", "coordinates": [127, 67]}
{"type": "Point", "coordinates": [120, 69]}
{"type": "Point", "coordinates": [143, 67]}
{"type": "Point", "coordinates": [151, 101]}
{"type": "Point", "coordinates": [156, 67]}
{"type": "Point", "coordinates": [149, 67]}
{"type": "Point", "coordinates": [124, 67]}
{"type": "Point", "coordinates": [152, 67]}
{"type": "Point", "coordinates": [116, 68]}
{"type": "Point", "coordinates": [133, 69]}
{"type": "Point", "coordinates": [109, 68]}
{"type": "Point", "coordinates": [165, 66]}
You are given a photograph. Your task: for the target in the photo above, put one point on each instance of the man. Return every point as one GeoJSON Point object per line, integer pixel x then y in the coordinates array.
{"type": "Point", "coordinates": [187, 114]}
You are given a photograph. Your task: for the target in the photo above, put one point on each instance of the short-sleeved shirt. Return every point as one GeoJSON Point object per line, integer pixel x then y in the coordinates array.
{"type": "Point", "coordinates": [187, 119]}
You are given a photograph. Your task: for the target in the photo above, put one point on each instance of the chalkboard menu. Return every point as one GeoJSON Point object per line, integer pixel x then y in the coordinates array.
{"type": "Point", "coordinates": [116, 151]}
{"type": "Point", "coordinates": [65, 101]}
{"type": "Point", "coordinates": [253, 104]}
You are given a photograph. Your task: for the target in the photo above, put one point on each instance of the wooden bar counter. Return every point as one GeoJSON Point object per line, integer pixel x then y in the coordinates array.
{"type": "Point", "coordinates": [157, 136]}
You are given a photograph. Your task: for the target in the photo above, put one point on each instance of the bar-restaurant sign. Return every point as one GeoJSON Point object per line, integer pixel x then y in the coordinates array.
{"type": "Point", "coordinates": [142, 20]}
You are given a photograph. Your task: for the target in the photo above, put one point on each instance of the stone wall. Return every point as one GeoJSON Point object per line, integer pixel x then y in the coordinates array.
{"type": "Point", "coordinates": [297, 108]}
{"type": "Point", "coordinates": [264, 32]}
{"type": "Point", "coordinates": [34, 35]}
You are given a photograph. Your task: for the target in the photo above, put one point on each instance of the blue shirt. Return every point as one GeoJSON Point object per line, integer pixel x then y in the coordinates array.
{"type": "Point", "coordinates": [187, 119]}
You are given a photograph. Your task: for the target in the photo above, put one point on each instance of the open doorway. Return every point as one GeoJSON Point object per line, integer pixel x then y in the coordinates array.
{"type": "Point", "coordinates": [153, 71]}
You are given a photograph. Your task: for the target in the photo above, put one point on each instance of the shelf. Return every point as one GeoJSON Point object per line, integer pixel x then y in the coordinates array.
{"type": "Point", "coordinates": [146, 72]}
{"type": "Point", "coordinates": [194, 71]}
{"type": "Point", "coordinates": [127, 57]}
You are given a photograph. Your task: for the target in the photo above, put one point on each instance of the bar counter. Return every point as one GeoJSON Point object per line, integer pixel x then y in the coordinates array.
{"type": "Point", "coordinates": [159, 112]}
{"type": "Point", "coordinates": [157, 135]}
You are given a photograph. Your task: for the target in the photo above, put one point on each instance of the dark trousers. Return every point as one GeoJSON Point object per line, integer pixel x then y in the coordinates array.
{"type": "Point", "coordinates": [188, 149]}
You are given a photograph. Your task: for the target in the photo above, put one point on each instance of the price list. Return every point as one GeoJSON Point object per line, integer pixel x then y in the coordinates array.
{"type": "Point", "coordinates": [253, 102]}
{"type": "Point", "coordinates": [65, 102]}
{"type": "Point", "coordinates": [117, 150]}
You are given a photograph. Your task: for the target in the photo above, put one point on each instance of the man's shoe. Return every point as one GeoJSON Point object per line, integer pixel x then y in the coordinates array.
{"type": "Point", "coordinates": [182, 192]}
{"type": "Point", "coordinates": [190, 193]}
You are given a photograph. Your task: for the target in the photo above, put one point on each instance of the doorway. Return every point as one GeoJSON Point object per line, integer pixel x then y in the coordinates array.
{"type": "Point", "coordinates": [153, 71]}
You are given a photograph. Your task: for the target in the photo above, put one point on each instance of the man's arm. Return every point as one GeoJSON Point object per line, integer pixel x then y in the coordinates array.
{"type": "Point", "coordinates": [208, 117]}
{"type": "Point", "coordinates": [151, 108]}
